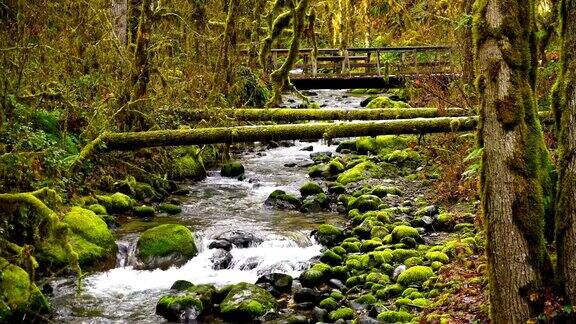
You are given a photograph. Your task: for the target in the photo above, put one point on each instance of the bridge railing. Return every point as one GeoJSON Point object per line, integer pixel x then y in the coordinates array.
{"type": "Point", "coordinates": [370, 60]}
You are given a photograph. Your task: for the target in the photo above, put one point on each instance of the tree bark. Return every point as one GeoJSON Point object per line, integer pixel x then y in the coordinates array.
{"type": "Point", "coordinates": [134, 140]}
{"type": "Point", "coordinates": [514, 161]}
{"type": "Point", "coordinates": [565, 113]}
{"type": "Point", "coordinates": [294, 115]}
{"type": "Point", "coordinates": [120, 19]}
{"type": "Point", "coordinates": [229, 42]}
{"type": "Point", "coordinates": [280, 78]}
{"type": "Point", "coordinates": [467, 46]}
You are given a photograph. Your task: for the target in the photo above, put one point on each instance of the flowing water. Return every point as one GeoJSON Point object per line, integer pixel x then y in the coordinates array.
{"type": "Point", "coordinates": [214, 206]}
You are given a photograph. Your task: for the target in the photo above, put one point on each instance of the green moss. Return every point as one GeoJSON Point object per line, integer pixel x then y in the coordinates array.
{"type": "Point", "coordinates": [247, 302]}
{"type": "Point", "coordinates": [187, 167]}
{"type": "Point", "coordinates": [437, 256]}
{"type": "Point", "coordinates": [165, 240]}
{"type": "Point", "coordinates": [416, 275]}
{"type": "Point", "coordinates": [445, 217]}
{"type": "Point", "coordinates": [370, 245]}
{"type": "Point", "coordinates": [89, 237]}
{"type": "Point", "coordinates": [403, 231]}
{"type": "Point", "coordinates": [310, 188]}
{"type": "Point", "coordinates": [170, 307]}
{"type": "Point", "coordinates": [367, 299]}
{"type": "Point", "coordinates": [133, 188]}
{"type": "Point", "coordinates": [456, 248]}
{"type": "Point", "coordinates": [329, 235]}
{"type": "Point", "coordinates": [232, 170]}
{"type": "Point", "coordinates": [98, 209]}
{"type": "Point", "coordinates": [400, 255]}
{"type": "Point", "coordinates": [19, 297]}
{"type": "Point", "coordinates": [144, 211]}
{"type": "Point", "coordinates": [344, 313]}
{"type": "Point", "coordinates": [390, 291]}
{"type": "Point", "coordinates": [365, 203]}
{"type": "Point", "coordinates": [331, 257]}
{"type": "Point", "coordinates": [170, 209]}
{"type": "Point", "coordinates": [336, 295]}
{"type": "Point", "coordinates": [395, 316]}
{"type": "Point", "coordinates": [351, 247]}
{"type": "Point", "coordinates": [311, 278]}
{"type": "Point", "coordinates": [385, 102]}
{"type": "Point", "coordinates": [116, 203]}
{"type": "Point", "coordinates": [359, 172]}
{"type": "Point", "coordinates": [328, 304]}
{"type": "Point", "coordinates": [339, 250]}
{"type": "Point", "coordinates": [400, 156]}
{"type": "Point", "coordinates": [413, 261]}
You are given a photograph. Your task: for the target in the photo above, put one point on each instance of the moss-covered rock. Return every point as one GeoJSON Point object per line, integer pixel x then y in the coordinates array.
{"type": "Point", "coordinates": [174, 308]}
{"type": "Point", "coordinates": [385, 102]}
{"type": "Point", "coordinates": [328, 304]}
{"type": "Point", "coordinates": [232, 170]}
{"type": "Point", "coordinates": [365, 203]}
{"type": "Point", "coordinates": [331, 257]}
{"type": "Point", "coordinates": [395, 316]}
{"type": "Point", "coordinates": [19, 297]}
{"type": "Point", "coordinates": [400, 255]}
{"type": "Point", "coordinates": [367, 299]}
{"type": "Point", "coordinates": [336, 167]}
{"type": "Point", "coordinates": [370, 245]}
{"type": "Point", "coordinates": [403, 156]}
{"type": "Point", "coordinates": [359, 172]}
{"type": "Point", "coordinates": [310, 188]}
{"type": "Point", "coordinates": [315, 204]}
{"type": "Point", "coordinates": [415, 276]}
{"type": "Point", "coordinates": [98, 209]}
{"type": "Point", "coordinates": [164, 246]}
{"type": "Point", "coordinates": [116, 203]}
{"type": "Point", "coordinates": [247, 302]}
{"type": "Point", "coordinates": [279, 199]}
{"type": "Point", "coordinates": [133, 188]}
{"type": "Point", "coordinates": [403, 231]}
{"type": "Point", "coordinates": [311, 278]}
{"type": "Point", "coordinates": [144, 211]}
{"type": "Point", "coordinates": [329, 235]}
{"type": "Point", "coordinates": [170, 209]}
{"type": "Point", "coordinates": [89, 237]}
{"type": "Point", "coordinates": [187, 167]}
{"type": "Point", "coordinates": [437, 256]}
{"type": "Point", "coordinates": [344, 313]}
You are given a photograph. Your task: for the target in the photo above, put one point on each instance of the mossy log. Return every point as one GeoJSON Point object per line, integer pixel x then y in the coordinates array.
{"type": "Point", "coordinates": [293, 115]}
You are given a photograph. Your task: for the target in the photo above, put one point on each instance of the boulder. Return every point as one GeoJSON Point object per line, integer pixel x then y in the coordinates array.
{"type": "Point", "coordinates": [279, 199]}
{"type": "Point", "coordinates": [232, 170]}
{"type": "Point", "coordinates": [89, 237]}
{"type": "Point", "coordinates": [164, 246]}
{"type": "Point", "coordinates": [239, 238]}
{"type": "Point", "coordinates": [247, 302]}
{"type": "Point", "coordinates": [221, 259]}
{"type": "Point", "coordinates": [20, 298]}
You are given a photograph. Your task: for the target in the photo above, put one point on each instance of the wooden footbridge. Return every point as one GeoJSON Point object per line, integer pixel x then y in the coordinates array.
{"type": "Point", "coordinates": [367, 67]}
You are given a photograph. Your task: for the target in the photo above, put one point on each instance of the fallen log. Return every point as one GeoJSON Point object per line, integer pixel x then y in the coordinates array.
{"type": "Point", "coordinates": [128, 141]}
{"type": "Point", "coordinates": [199, 136]}
{"type": "Point", "coordinates": [293, 115]}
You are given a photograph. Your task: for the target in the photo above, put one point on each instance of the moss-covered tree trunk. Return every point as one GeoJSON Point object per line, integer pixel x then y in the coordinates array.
{"type": "Point", "coordinates": [514, 159]}
{"type": "Point", "coordinates": [280, 78]}
{"type": "Point", "coordinates": [565, 111]}
{"type": "Point", "coordinates": [141, 69]}
{"type": "Point", "coordinates": [467, 46]}
{"type": "Point", "coordinates": [228, 45]}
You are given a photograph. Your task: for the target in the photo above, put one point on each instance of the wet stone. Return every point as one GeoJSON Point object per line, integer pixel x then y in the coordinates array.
{"type": "Point", "coordinates": [336, 284]}
{"type": "Point", "coordinates": [221, 259]}
{"type": "Point", "coordinates": [240, 238]}
{"type": "Point", "coordinates": [319, 314]}
{"type": "Point", "coordinates": [305, 305]}
{"type": "Point", "coordinates": [307, 148]}
{"type": "Point", "coordinates": [220, 244]}
{"type": "Point", "coordinates": [181, 285]}
{"type": "Point", "coordinates": [306, 295]}
{"type": "Point", "coordinates": [290, 165]}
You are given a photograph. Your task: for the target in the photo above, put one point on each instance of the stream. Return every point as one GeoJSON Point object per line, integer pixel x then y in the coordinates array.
{"type": "Point", "coordinates": [214, 206]}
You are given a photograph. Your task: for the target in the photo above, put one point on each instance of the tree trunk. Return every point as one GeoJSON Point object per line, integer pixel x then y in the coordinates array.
{"type": "Point", "coordinates": [229, 42]}
{"type": "Point", "coordinates": [513, 163]}
{"type": "Point", "coordinates": [565, 111]}
{"type": "Point", "coordinates": [120, 19]}
{"type": "Point", "coordinates": [467, 46]}
{"type": "Point", "coordinates": [294, 115]}
{"type": "Point", "coordinates": [280, 78]}
{"type": "Point", "coordinates": [134, 140]}
{"type": "Point", "coordinates": [141, 73]}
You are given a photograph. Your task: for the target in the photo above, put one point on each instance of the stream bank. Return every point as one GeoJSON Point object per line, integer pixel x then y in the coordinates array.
{"type": "Point", "coordinates": [389, 229]}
